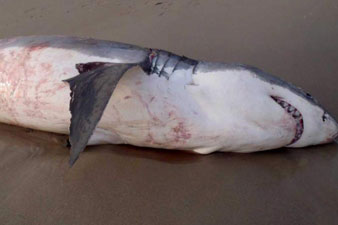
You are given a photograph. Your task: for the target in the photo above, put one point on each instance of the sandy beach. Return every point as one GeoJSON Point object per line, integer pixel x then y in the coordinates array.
{"type": "Point", "coordinates": [119, 184]}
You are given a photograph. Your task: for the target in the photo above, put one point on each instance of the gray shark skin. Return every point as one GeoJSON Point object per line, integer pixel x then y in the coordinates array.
{"type": "Point", "coordinates": [88, 46]}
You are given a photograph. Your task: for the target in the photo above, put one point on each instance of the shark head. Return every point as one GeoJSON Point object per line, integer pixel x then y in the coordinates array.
{"type": "Point", "coordinates": [314, 125]}
{"type": "Point", "coordinates": [273, 112]}
{"type": "Point", "coordinates": [271, 103]}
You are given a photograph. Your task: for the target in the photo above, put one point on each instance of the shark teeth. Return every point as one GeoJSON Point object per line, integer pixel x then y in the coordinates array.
{"type": "Point", "coordinates": [297, 116]}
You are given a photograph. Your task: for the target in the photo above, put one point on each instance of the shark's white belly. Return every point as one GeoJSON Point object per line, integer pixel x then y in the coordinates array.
{"type": "Point", "coordinates": [200, 112]}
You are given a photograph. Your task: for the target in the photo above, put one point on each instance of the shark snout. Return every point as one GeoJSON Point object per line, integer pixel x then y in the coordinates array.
{"type": "Point", "coordinates": [335, 137]}
{"type": "Point", "coordinates": [335, 134]}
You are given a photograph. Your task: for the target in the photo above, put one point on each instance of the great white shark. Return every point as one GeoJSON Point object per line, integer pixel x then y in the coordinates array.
{"type": "Point", "coordinates": [103, 92]}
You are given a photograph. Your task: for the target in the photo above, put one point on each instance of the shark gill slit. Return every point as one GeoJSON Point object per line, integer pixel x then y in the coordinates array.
{"type": "Point", "coordinates": [296, 115]}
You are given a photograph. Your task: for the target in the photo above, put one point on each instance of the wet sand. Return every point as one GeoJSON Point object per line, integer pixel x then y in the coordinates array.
{"type": "Point", "coordinates": [116, 184]}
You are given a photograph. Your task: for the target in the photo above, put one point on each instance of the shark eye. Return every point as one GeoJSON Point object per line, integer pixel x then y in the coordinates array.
{"type": "Point", "coordinates": [324, 117]}
{"type": "Point", "coordinates": [309, 95]}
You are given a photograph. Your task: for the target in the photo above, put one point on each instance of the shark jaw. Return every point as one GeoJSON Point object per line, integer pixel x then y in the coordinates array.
{"type": "Point", "coordinates": [296, 115]}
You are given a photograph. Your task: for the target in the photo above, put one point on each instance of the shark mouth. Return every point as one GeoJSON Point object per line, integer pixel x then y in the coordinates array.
{"type": "Point", "coordinates": [294, 112]}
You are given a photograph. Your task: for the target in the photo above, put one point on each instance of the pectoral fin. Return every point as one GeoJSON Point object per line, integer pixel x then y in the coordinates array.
{"type": "Point", "coordinates": [90, 93]}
